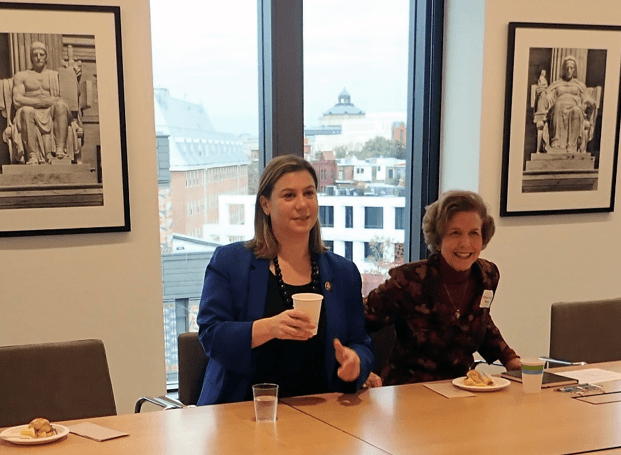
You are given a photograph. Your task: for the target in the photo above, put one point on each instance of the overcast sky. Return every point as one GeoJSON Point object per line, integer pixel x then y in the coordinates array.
{"type": "Point", "coordinates": [206, 52]}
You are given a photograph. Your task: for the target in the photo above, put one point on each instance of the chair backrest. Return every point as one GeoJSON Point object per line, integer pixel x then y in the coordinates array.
{"type": "Point", "coordinates": [192, 364]}
{"type": "Point", "coordinates": [57, 381]}
{"type": "Point", "coordinates": [586, 331]}
{"type": "Point", "coordinates": [383, 341]}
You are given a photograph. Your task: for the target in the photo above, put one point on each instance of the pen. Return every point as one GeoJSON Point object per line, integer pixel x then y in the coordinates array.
{"type": "Point", "coordinates": [582, 388]}
{"type": "Point", "coordinates": [571, 388]}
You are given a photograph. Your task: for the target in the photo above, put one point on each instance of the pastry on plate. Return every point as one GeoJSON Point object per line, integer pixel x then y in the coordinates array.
{"type": "Point", "coordinates": [476, 379]}
{"type": "Point", "coordinates": [38, 428]}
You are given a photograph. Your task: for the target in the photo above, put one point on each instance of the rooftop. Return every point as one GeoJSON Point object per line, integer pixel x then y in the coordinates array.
{"type": "Point", "coordinates": [194, 142]}
{"type": "Point", "coordinates": [344, 106]}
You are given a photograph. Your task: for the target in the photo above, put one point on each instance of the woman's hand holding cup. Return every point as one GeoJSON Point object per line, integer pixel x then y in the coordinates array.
{"type": "Point", "coordinates": [292, 325]}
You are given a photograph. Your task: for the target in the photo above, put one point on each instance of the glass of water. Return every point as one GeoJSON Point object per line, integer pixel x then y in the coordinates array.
{"type": "Point", "coordinates": [265, 402]}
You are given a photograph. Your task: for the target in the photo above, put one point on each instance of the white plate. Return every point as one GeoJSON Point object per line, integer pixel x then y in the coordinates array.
{"type": "Point", "coordinates": [13, 435]}
{"type": "Point", "coordinates": [499, 384]}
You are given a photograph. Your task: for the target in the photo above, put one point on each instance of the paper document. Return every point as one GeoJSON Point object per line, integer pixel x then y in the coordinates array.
{"type": "Point", "coordinates": [592, 375]}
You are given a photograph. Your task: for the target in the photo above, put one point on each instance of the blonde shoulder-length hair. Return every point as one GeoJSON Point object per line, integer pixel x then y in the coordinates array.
{"type": "Point", "coordinates": [439, 214]}
{"type": "Point", "coordinates": [264, 244]}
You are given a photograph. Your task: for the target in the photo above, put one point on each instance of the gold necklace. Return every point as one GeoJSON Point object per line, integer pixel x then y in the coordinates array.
{"type": "Point", "coordinates": [461, 299]}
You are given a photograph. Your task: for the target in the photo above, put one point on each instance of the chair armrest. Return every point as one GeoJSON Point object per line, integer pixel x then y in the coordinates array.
{"type": "Point", "coordinates": [483, 362]}
{"type": "Point", "coordinates": [162, 401]}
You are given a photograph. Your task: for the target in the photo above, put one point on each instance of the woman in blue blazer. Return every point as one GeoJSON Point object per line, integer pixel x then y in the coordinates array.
{"type": "Point", "coordinates": [247, 325]}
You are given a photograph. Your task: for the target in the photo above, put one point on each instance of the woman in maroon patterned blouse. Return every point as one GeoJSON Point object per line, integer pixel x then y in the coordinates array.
{"type": "Point", "coordinates": [440, 306]}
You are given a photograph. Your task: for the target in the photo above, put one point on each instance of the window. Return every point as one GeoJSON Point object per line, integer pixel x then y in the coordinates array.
{"type": "Point", "coordinates": [349, 217]}
{"type": "Point", "coordinates": [349, 250]}
{"type": "Point", "coordinates": [399, 218]}
{"type": "Point", "coordinates": [222, 74]}
{"type": "Point", "coordinates": [373, 217]}
{"type": "Point", "coordinates": [373, 251]}
{"type": "Point", "coordinates": [209, 57]}
{"type": "Point", "coordinates": [326, 216]}
{"type": "Point", "coordinates": [329, 244]}
{"type": "Point", "coordinates": [356, 84]}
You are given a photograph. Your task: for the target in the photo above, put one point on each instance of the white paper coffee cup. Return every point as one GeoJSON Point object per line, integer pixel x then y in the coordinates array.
{"type": "Point", "coordinates": [309, 303]}
{"type": "Point", "coordinates": [532, 374]}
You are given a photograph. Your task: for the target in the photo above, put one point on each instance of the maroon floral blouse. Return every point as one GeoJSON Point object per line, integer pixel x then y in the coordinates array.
{"type": "Point", "coordinates": [432, 343]}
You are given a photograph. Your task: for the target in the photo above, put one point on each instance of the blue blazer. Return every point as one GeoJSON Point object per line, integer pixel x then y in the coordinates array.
{"type": "Point", "coordinates": [234, 295]}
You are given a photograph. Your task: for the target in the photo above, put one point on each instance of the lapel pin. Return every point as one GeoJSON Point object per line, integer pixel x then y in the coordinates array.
{"type": "Point", "coordinates": [328, 286]}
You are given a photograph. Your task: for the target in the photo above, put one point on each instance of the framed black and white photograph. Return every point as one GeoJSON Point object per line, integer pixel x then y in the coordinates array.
{"type": "Point", "coordinates": [561, 130]}
{"type": "Point", "coordinates": [63, 157]}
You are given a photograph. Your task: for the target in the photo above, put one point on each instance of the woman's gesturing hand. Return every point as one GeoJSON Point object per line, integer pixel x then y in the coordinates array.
{"type": "Point", "coordinates": [349, 361]}
{"type": "Point", "coordinates": [373, 381]}
{"type": "Point", "coordinates": [292, 325]}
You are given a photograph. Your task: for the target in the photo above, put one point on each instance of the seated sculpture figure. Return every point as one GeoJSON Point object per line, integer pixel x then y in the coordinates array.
{"type": "Point", "coordinates": [568, 109]}
{"type": "Point", "coordinates": [42, 118]}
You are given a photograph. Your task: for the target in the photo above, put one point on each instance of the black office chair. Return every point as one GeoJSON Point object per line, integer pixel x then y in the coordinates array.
{"type": "Point", "coordinates": [57, 381]}
{"type": "Point", "coordinates": [383, 341]}
{"type": "Point", "coordinates": [192, 365]}
{"type": "Point", "coordinates": [585, 332]}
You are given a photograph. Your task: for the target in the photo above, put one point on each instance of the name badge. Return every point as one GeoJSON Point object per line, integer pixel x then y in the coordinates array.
{"type": "Point", "coordinates": [486, 300]}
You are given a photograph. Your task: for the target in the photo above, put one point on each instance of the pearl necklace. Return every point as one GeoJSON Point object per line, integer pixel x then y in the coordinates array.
{"type": "Point", "coordinates": [284, 293]}
{"type": "Point", "coordinates": [462, 294]}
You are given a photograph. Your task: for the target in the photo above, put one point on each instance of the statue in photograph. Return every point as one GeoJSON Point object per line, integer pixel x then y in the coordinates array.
{"type": "Point", "coordinates": [542, 82]}
{"type": "Point", "coordinates": [42, 118]}
{"type": "Point", "coordinates": [569, 110]}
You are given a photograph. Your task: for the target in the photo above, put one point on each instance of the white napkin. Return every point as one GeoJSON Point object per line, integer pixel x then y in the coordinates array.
{"type": "Point", "coordinates": [95, 432]}
{"type": "Point", "coordinates": [446, 389]}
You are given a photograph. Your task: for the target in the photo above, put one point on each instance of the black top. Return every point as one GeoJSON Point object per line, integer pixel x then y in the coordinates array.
{"type": "Point", "coordinates": [298, 367]}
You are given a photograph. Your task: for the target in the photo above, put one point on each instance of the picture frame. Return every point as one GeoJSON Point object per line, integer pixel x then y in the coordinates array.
{"type": "Point", "coordinates": [63, 152]}
{"type": "Point", "coordinates": [562, 114]}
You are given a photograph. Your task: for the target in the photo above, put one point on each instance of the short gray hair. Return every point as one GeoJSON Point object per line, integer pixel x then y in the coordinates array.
{"type": "Point", "coordinates": [440, 213]}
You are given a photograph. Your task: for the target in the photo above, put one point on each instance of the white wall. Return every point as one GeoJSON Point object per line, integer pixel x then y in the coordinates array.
{"type": "Point", "coordinates": [106, 286]}
{"type": "Point", "coordinates": [542, 259]}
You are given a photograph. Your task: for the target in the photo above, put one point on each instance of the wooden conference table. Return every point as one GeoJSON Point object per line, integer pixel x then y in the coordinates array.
{"type": "Point", "coordinates": [407, 419]}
